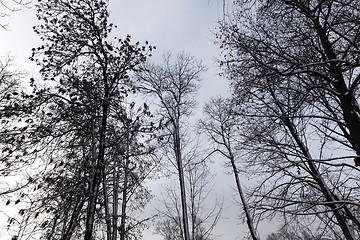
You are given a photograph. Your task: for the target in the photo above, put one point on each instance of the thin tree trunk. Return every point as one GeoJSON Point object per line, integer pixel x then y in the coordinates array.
{"type": "Point", "coordinates": [74, 219]}
{"type": "Point", "coordinates": [123, 205]}
{"type": "Point", "coordinates": [106, 207]}
{"type": "Point", "coordinates": [116, 176]}
{"type": "Point", "coordinates": [177, 149]}
{"type": "Point", "coordinates": [99, 168]}
{"type": "Point", "coordinates": [192, 199]}
{"type": "Point", "coordinates": [249, 220]}
{"type": "Point", "coordinates": [314, 172]}
{"type": "Point", "coordinates": [321, 183]}
{"type": "Point", "coordinates": [50, 235]}
{"type": "Point", "coordinates": [124, 192]}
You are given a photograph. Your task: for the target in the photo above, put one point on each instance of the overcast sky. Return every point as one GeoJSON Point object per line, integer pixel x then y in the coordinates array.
{"type": "Point", "coordinates": [171, 25]}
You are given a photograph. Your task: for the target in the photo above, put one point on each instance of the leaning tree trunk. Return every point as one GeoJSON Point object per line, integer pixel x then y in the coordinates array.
{"type": "Point", "coordinates": [249, 220]}
{"type": "Point", "coordinates": [321, 183]}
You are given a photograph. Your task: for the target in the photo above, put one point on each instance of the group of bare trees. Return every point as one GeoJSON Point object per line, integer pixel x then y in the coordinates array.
{"type": "Point", "coordinates": [295, 81]}
{"type": "Point", "coordinates": [175, 84]}
{"type": "Point", "coordinates": [292, 125]}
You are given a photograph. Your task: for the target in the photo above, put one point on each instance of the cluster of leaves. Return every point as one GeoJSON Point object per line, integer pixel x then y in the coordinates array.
{"type": "Point", "coordinates": [90, 144]}
{"type": "Point", "coordinates": [12, 118]}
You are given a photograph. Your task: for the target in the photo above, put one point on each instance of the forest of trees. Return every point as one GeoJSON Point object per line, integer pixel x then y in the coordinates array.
{"type": "Point", "coordinates": [103, 118]}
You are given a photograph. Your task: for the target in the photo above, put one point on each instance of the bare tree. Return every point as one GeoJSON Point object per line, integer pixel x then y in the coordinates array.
{"type": "Point", "coordinates": [295, 79]}
{"type": "Point", "coordinates": [322, 65]}
{"type": "Point", "coordinates": [220, 124]}
{"type": "Point", "coordinates": [174, 84]}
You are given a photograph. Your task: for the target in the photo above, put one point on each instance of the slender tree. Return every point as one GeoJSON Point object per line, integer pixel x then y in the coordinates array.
{"type": "Point", "coordinates": [220, 125]}
{"type": "Point", "coordinates": [174, 84]}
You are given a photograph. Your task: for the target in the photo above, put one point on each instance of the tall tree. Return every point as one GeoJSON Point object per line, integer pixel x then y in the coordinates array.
{"type": "Point", "coordinates": [174, 84]}
{"type": "Point", "coordinates": [128, 166]}
{"type": "Point", "coordinates": [79, 116]}
{"type": "Point", "coordinates": [323, 61]}
{"type": "Point", "coordinates": [294, 70]}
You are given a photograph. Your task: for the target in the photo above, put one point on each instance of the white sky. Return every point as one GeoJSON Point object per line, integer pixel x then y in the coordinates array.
{"type": "Point", "coordinates": [170, 25]}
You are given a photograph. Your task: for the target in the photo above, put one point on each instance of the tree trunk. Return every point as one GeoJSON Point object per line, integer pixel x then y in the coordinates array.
{"type": "Point", "coordinates": [100, 165]}
{"type": "Point", "coordinates": [348, 102]}
{"type": "Point", "coordinates": [116, 176]}
{"type": "Point", "coordinates": [125, 186]}
{"type": "Point", "coordinates": [314, 172]}
{"type": "Point", "coordinates": [177, 149]}
{"type": "Point", "coordinates": [74, 218]}
{"type": "Point", "coordinates": [106, 207]}
{"type": "Point", "coordinates": [320, 181]}
{"type": "Point", "coordinates": [249, 220]}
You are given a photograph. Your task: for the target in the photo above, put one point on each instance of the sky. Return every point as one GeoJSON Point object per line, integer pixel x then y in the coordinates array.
{"type": "Point", "coordinates": [171, 25]}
